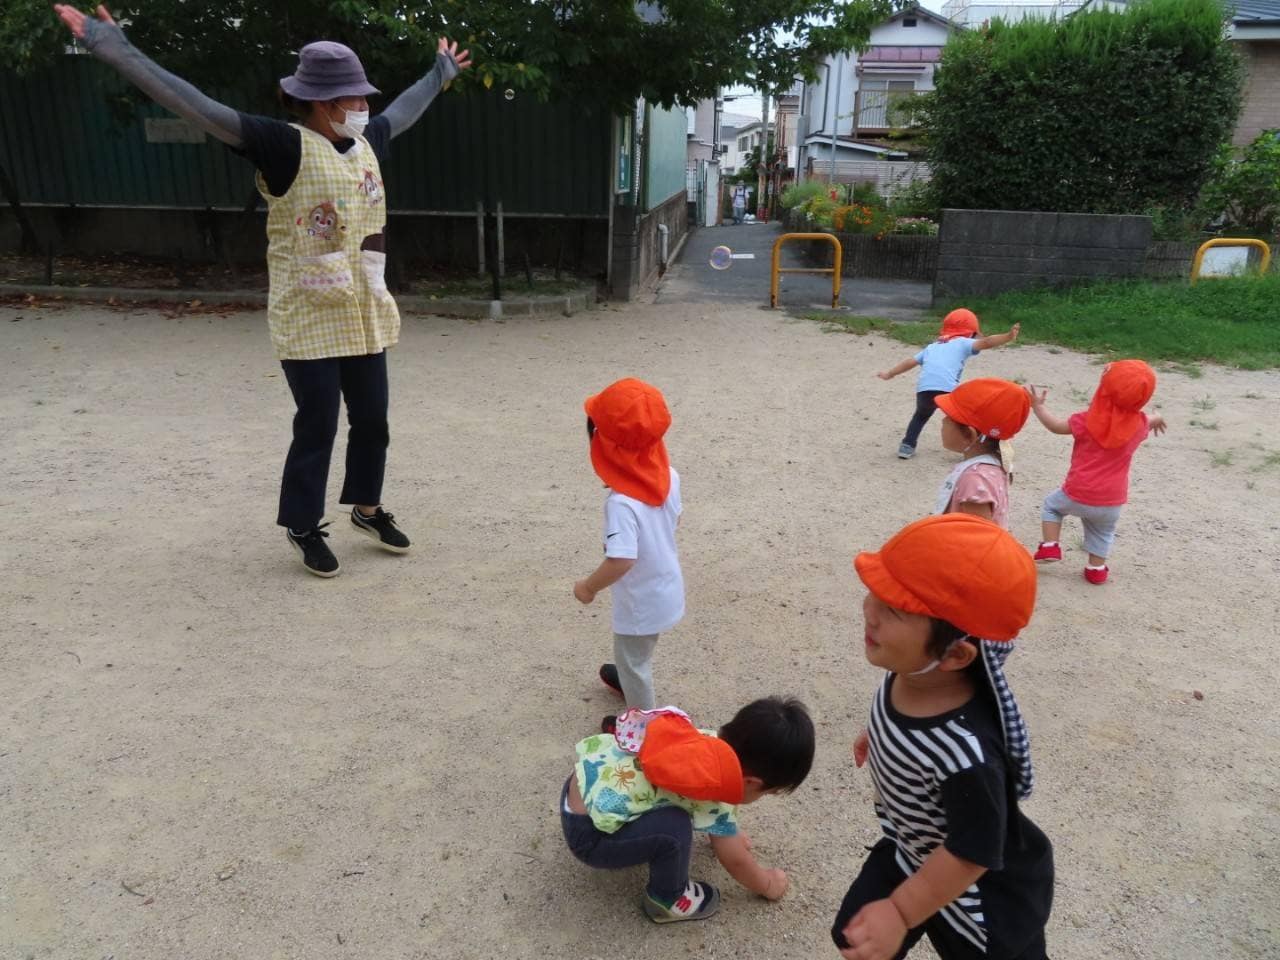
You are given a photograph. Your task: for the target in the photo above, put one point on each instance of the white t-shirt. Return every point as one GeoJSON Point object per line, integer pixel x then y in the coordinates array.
{"type": "Point", "coordinates": [650, 597]}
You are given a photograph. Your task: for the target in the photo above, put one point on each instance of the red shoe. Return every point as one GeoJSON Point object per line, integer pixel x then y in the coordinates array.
{"type": "Point", "coordinates": [1097, 576]}
{"type": "Point", "coordinates": [1048, 554]}
{"type": "Point", "coordinates": [609, 724]}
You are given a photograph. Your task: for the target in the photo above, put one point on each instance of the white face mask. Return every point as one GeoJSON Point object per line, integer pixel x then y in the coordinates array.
{"type": "Point", "coordinates": [354, 125]}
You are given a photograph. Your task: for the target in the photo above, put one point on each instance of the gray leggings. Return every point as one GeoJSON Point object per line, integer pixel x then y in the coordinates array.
{"type": "Point", "coordinates": [1099, 522]}
{"type": "Point", "coordinates": [634, 657]}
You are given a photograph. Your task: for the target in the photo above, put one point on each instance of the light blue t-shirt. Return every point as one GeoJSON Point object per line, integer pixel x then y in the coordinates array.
{"type": "Point", "coordinates": [942, 363]}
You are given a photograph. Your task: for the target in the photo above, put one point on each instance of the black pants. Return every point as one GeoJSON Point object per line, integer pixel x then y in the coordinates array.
{"type": "Point", "coordinates": [661, 838]}
{"type": "Point", "coordinates": [925, 405]}
{"type": "Point", "coordinates": [880, 875]}
{"type": "Point", "coordinates": [318, 387]}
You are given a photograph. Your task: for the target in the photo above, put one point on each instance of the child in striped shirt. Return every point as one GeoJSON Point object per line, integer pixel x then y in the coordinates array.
{"type": "Point", "coordinates": [948, 752]}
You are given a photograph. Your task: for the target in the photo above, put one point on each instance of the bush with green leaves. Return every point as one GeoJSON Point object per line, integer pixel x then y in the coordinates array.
{"type": "Point", "coordinates": [917, 199]}
{"type": "Point", "coordinates": [1101, 112]}
{"type": "Point", "coordinates": [1245, 191]}
{"type": "Point", "coordinates": [796, 194]}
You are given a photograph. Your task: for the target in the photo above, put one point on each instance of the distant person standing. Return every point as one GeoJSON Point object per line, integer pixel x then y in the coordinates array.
{"type": "Point", "coordinates": [739, 203]}
{"type": "Point", "coordinates": [329, 313]}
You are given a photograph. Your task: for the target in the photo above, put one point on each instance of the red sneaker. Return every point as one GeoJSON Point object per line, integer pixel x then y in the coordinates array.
{"type": "Point", "coordinates": [1096, 576]}
{"type": "Point", "coordinates": [1048, 554]}
{"type": "Point", "coordinates": [609, 724]}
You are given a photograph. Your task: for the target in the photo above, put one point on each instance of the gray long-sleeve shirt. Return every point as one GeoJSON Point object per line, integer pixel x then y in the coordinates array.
{"type": "Point", "coordinates": [273, 146]}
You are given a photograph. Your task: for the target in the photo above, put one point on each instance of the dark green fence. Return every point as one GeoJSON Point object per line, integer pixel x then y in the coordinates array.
{"type": "Point", "coordinates": [62, 145]}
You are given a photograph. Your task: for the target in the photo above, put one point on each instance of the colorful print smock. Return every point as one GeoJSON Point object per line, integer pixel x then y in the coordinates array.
{"type": "Point", "coordinates": [615, 791]}
{"type": "Point", "coordinates": [329, 294]}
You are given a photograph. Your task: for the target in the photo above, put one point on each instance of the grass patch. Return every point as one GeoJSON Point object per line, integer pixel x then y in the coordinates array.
{"type": "Point", "coordinates": [1231, 321]}
{"type": "Point", "coordinates": [1272, 459]}
{"type": "Point", "coordinates": [914, 332]}
{"type": "Point", "coordinates": [1221, 458]}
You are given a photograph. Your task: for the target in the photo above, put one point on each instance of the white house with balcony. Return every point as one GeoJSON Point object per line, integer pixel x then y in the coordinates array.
{"type": "Point", "coordinates": [851, 111]}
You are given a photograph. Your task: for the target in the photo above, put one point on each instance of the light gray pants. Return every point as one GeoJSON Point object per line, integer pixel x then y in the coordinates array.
{"type": "Point", "coordinates": [634, 657]}
{"type": "Point", "coordinates": [1099, 522]}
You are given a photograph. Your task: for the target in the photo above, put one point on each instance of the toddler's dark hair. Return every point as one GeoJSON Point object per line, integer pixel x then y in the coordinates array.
{"type": "Point", "coordinates": [941, 635]}
{"type": "Point", "coordinates": [774, 740]}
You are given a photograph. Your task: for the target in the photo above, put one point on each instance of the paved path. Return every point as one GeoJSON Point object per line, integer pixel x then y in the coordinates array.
{"type": "Point", "coordinates": [692, 280]}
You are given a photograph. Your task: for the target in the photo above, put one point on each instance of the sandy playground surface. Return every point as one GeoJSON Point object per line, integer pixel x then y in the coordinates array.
{"type": "Point", "coordinates": [207, 753]}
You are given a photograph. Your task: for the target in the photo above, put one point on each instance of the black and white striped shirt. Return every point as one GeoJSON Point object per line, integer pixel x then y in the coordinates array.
{"type": "Point", "coordinates": [944, 781]}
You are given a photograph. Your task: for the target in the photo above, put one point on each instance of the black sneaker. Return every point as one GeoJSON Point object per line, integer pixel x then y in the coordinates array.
{"type": "Point", "coordinates": [315, 553]}
{"type": "Point", "coordinates": [609, 677]}
{"type": "Point", "coordinates": [382, 528]}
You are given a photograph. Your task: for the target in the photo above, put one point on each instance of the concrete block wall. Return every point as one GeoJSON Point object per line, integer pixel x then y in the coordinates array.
{"type": "Point", "coordinates": [989, 251]}
{"type": "Point", "coordinates": [636, 244]}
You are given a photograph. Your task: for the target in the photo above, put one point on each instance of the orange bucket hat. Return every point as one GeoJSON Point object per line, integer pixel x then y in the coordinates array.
{"type": "Point", "coordinates": [1115, 413]}
{"type": "Point", "coordinates": [627, 451]}
{"type": "Point", "coordinates": [959, 323]}
{"type": "Point", "coordinates": [958, 568]}
{"type": "Point", "coordinates": [995, 408]}
{"type": "Point", "coordinates": [676, 756]}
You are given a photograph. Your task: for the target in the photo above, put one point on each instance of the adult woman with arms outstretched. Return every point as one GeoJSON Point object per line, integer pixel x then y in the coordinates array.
{"type": "Point", "coordinates": [330, 315]}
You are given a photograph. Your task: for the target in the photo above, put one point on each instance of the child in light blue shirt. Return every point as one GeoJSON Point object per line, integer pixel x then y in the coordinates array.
{"type": "Point", "coordinates": [941, 363]}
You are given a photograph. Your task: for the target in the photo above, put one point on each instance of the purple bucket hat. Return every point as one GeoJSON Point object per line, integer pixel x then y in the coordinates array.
{"type": "Point", "coordinates": [326, 71]}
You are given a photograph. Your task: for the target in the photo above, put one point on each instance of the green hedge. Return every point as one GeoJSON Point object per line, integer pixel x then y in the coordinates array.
{"type": "Point", "coordinates": [1102, 112]}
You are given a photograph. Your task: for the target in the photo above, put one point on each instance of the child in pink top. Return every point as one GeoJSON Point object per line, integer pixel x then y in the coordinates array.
{"type": "Point", "coordinates": [1097, 485]}
{"type": "Point", "coordinates": [978, 417]}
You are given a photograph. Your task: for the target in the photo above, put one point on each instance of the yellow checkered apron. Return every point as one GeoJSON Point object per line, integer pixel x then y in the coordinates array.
{"type": "Point", "coordinates": [328, 296]}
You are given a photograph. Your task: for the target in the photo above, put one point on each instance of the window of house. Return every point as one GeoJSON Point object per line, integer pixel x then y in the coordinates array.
{"type": "Point", "coordinates": [884, 83]}
{"type": "Point", "coordinates": [908, 21]}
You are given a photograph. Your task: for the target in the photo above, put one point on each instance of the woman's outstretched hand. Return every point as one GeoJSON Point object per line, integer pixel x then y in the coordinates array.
{"type": "Point", "coordinates": [463, 59]}
{"type": "Point", "coordinates": [74, 19]}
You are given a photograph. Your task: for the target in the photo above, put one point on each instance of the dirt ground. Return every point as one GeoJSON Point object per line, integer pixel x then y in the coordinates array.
{"type": "Point", "coordinates": [207, 753]}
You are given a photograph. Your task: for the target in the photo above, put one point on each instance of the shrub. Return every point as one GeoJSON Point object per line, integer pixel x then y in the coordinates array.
{"type": "Point", "coordinates": [918, 198]}
{"type": "Point", "coordinates": [798, 193]}
{"type": "Point", "coordinates": [1246, 191]}
{"type": "Point", "coordinates": [1102, 112]}
{"type": "Point", "coordinates": [915, 225]}
{"type": "Point", "coordinates": [863, 218]}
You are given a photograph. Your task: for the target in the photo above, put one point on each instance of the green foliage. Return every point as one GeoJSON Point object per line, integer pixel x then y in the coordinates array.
{"type": "Point", "coordinates": [1246, 191]}
{"type": "Point", "coordinates": [594, 50]}
{"type": "Point", "coordinates": [867, 194]}
{"type": "Point", "coordinates": [1228, 321]}
{"type": "Point", "coordinates": [1102, 112]}
{"type": "Point", "coordinates": [1175, 223]}
{"type": "Point", "coordinates": [919, 198]}
{"type": "Point", "coordinates": [797, 193]}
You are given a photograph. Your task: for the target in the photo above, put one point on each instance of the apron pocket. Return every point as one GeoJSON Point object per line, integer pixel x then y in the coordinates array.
{"type": "Point", "coordinates": [374, 265]}
{"type": "Point", "coordinates": [326, 279]}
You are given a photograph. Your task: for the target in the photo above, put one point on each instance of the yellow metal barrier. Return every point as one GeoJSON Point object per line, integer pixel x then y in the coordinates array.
{"type": "Point", "coordinates": [1230, 242]}
{"type": "Point", "coordinates": [833, 270]}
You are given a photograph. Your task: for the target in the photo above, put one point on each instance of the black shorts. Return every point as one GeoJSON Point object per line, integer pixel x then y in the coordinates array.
{"type": "Point", "coordinates": [879, 877]}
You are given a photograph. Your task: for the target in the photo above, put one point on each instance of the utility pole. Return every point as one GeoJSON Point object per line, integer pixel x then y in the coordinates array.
{"type": "Point", "coordinates": [762, 171]}
{"type": "Point", "coordinates": [835, 120]}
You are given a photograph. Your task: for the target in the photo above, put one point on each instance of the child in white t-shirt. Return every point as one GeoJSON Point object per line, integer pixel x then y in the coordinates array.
{"type": "Point", "coordinates": [626, 422]}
